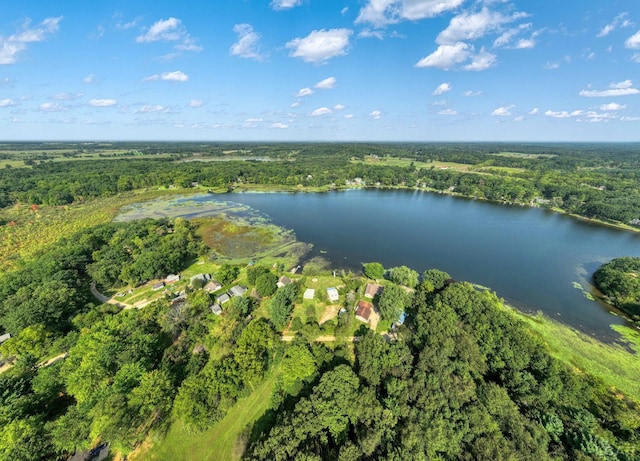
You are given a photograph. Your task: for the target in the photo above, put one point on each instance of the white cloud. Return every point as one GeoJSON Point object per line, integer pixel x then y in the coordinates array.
{"type": "Point", "coordinates": [481, 61]}
{"type": "Point", "coordinates": [51, 107]}
{"type": "Point", "coordinates": [534, 111]}
{"type": "Point", "coordinates": [519, 118]}
{"type": "Point", "coordinates": [320, 45]}
{"type": "Point", "coordinates": [633, 42]}
{"type": "Point", "coordinates": [442, 88]}
{"type": "Point", "coordinates": [563, 113]}
{"type": "Point", "coordinates": [89, 79]}
{"type": "Point", "coordinates": [344, 10]}
{"type": "Point", "coordinates": [472, 93]}
{"type": "Point", "coordinates": [295, 104]}
{"type": "Point", "coordinates": [503, 111]}
{"type": "Point", "coordinates": [7, 102]}
{"type": "Point", "coordinates": [150, 108]}
{"type": "Point", "coordinates": [196, 103]}
{"type": "Point", "coordinates": [326, 84]}
{"type": "Point", "coordinates": [284, 4]}
{"type": "Point", "coordinates": [448, 112]}
{"type": "Point", "coordinates": [175, 76]}
{"type": "Point", "coordinates": [339, 107]}
{"type": "Point", "coordinates": [349, 116]}
{"type": "Point", "coordinates": [618, 22]}
{"type": "Point", "coordinates": [525, 43]}
{"type": "Point", "coordinates": [549, 65]}
{"type": "Point", "coordinates": [247, 45]}
{"type": "Point", "coordinates": [169, 30]}
{"type": "Point", "coordinates": [103, 102]}
{"type": "Point", "coordinates": [384, 12]}
{"type": "Point", "coordinates": [623, 88]}
{"type": "Point", "coordinates": [368, 33]}
{"type": "Point", "coordinates": [11, 46]}
{"type": "Point", "coordinates": [306, 91]}
{"type": "Point", "coordinates": [279, 125]}
{"type": "Point", "coordinates": [321, 111]}
{"type": "Point", "coordinates": [613, 106]}
{"type": "Point", "coordinates": [376, 114]}
{"type": "Point", "coordinates": [446, 56]}
{"type": "Point", "coordinates": [472, 26]}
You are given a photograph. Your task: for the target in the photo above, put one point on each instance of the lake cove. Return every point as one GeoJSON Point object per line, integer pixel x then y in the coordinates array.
{"type": "Point", "coordinates": [535, 259]}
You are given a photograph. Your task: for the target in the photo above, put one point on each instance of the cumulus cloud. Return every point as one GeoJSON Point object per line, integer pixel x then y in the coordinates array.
{"type": "Point", "coordinates": [279, 125]}
{"type": "Point", "coordinates": [447, 57]}
{"type": "Point", "coordinates": [376, 114]}
{"type": "Point", "coordinates": [248, 45]}
{"type": "Point", "coordinates": [51, 107]}
{"type": "Point", "coordinates": [368, 33]}
{"type": "Point", "coordinates": [613, 106]}
{"type": "Point", "coordinates": [89, 79]}
{"type": "Point", "coordinates": [175, 76]}
{"type": "Point", "coordinates": [623, 88]}
{"type": "Point", "coordinates": [383, 12]}
{"type": "Point", "coordinates": [633, 42]}
{"type": "Point", "coordinates": [150, 108]}
{"type": "Point", "coordinates": [339, 107]}
{"type": "Point", "coordinates": [7, 102]}
{"type": "Point", "coordinates": [618, 22]}
{"type": "Point", "coordinates": [326, 84]}
{"type": "Point", "coordinates": [306, 91]}
{"type": "Point", "coordinates": [321, 111]}
{"type": "Point", "coordinates": [284, 4]}
{"type": "Point", "coordinates": [196, 103]}
{"type": "Point", "coordinates": [472, 93]}
{"type": "Point", "coordinates": [563, 113]}
{"type": "Point", "coordinates": [169, 30]}
{"type": "Point", "coordinates": [471, 26]}
{"type": "Point", "coordinates": [295, 104]}
{"type": "Point", "coordinates": [448, 112]}
{"type": "Point", "coordinates": [66, 96]}
{"type": "Point", "coordinates": [534, 111]}
{"type": "Point", "coordinates": [349, 116]}
{"type": "Point", "coordinates": [103, 102]}
{"type": "Point", "coordinates": [320, 45]}
{"type": "Point", "coordinates": [503, 111]}
{"type": "Point", "coordinates": [13, 45]}
{"type": "Point", "coordinates": [442, 88]}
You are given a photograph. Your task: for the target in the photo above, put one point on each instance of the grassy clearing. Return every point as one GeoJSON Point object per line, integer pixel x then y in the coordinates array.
{"type": "Point", "coordinates": [614, 364]}
{"type": "Point", "coordinates": [405, 162]}
{"type": "Point", "coordinates": [222, 442]}
{"type": "Point", "coordinates": [523, 155]}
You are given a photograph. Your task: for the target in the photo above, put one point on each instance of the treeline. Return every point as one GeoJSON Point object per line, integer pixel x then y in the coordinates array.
{"type": "Point", "coordinates": [465, 382]}
{"type": "Point", "coordinates": [618, 281]}
{"type": "Point", "coordinates": [597, 181]}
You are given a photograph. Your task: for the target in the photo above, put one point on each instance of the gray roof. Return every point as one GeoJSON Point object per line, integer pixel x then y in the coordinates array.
{"type": "Point", "coordinates": [223, 298]}
{"type": "Point", "coordinates": [237, 290]}
{"type": "Point", "coordinates": [216, 309]}
{"type": "Point", "coordinates": [4, 337]}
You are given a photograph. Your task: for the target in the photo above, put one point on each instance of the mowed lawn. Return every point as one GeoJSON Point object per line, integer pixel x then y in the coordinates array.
{"type": "Point", "coordinates": [219, 442]}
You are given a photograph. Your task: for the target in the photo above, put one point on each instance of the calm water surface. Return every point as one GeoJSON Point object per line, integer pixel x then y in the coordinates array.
{"type": "Point", "coordinates": [529, 256]}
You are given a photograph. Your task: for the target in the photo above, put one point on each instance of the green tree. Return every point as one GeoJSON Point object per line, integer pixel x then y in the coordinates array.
{"type": "Point", "coordinates": [281, 305]}
{"type": "Point", "coordinates": [373, 270]}
{"type": "Point", "coordinates": [227, 274]}
{"type": "Point", "coordinates": [402, 275]}
{"type": "Point", "coordinates": [436, 277]}
{"type": "Point", "coordinates": [393, 302]}
{"type": "Point", "coordinates": [266, 284]}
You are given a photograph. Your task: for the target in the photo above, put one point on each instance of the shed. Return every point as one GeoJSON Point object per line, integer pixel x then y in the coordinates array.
{"type": "Point", "coordinates": [203, 277]}
{"type": "Point", "coordinates": [373, 289]}
{"type": "Point", "coordinates": [363, 311]}
{"type": "Point", "coordinates": [212, 286]}
{"type": "Point", "coordinates": [237, 290]}
{"type": "Point", "coordinates": [223, 298]}
{"type": "Point", "coordinates": [309, 293]}
{"type": "Point", "coordinates": [216, 309]}
{"type": "Point", "coordinates": [157, 286]}
{"type": "Point", "coordinates": [333, 294]}
{"type": "Point", "coordinates": [171, 278]}
{"type": "Point", "coordinates": [4, 337]}
{"type": "Point", "coordinates": [283, 281]}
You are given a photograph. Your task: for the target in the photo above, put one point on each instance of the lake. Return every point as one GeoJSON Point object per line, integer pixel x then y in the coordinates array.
{"type": "Point", "coordinates": [533, 258]}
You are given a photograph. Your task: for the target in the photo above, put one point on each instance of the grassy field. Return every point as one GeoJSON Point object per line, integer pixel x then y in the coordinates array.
{"type": "Point", "coordinates": [614, 364]}
{"type": "Point", "coordinates": [222, 442]}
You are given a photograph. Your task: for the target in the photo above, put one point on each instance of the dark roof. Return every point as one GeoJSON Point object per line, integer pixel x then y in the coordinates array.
{"type": "Point", "coordinates": [363, 310]}
{"type": "Point", "coordinates": [373, 289]}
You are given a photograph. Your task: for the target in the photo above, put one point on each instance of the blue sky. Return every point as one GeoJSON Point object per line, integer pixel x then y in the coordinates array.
{"type": "Point", "coordinates": [320, 70]}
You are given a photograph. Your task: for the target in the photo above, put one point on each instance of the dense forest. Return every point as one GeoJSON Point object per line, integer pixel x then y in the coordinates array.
{"type": "Point", "coordinates": [597, 181]}
{"type": "Point", "coordinates": [618, 281]}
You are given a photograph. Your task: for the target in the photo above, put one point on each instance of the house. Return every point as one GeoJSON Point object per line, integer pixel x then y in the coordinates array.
{"type": "Point", "coordinates": [157, 286]}
{"type": "Point", "coordinates": [296, 269]}
{"type": "Point", "coordinates": [180, 299]}
{"type": "Point", "coordinates": [4, 337]}
{"type": "Point", "coordinates": [212, 286]}
{"type": "Point", "coordinates": [216, 309]}
{"type": "Point", "coordinates": [363, 311]}
{"type": "Point", "coordinates": [283, 281]}
{"type": "Point", "coordinates": [171, 278]}
{"type": "Point", "coordinates": [309, 293]}
{"type": "Point", "coordinates": [333, 294]}
{"type": "Point", "coordinates": [203, 277]}
{"type": "Point", "coordinates": [223, 298]}
{"type": "Point", "coordinates": [237, 290]}
{"type": "Point", "coordinates": [373, 289]}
